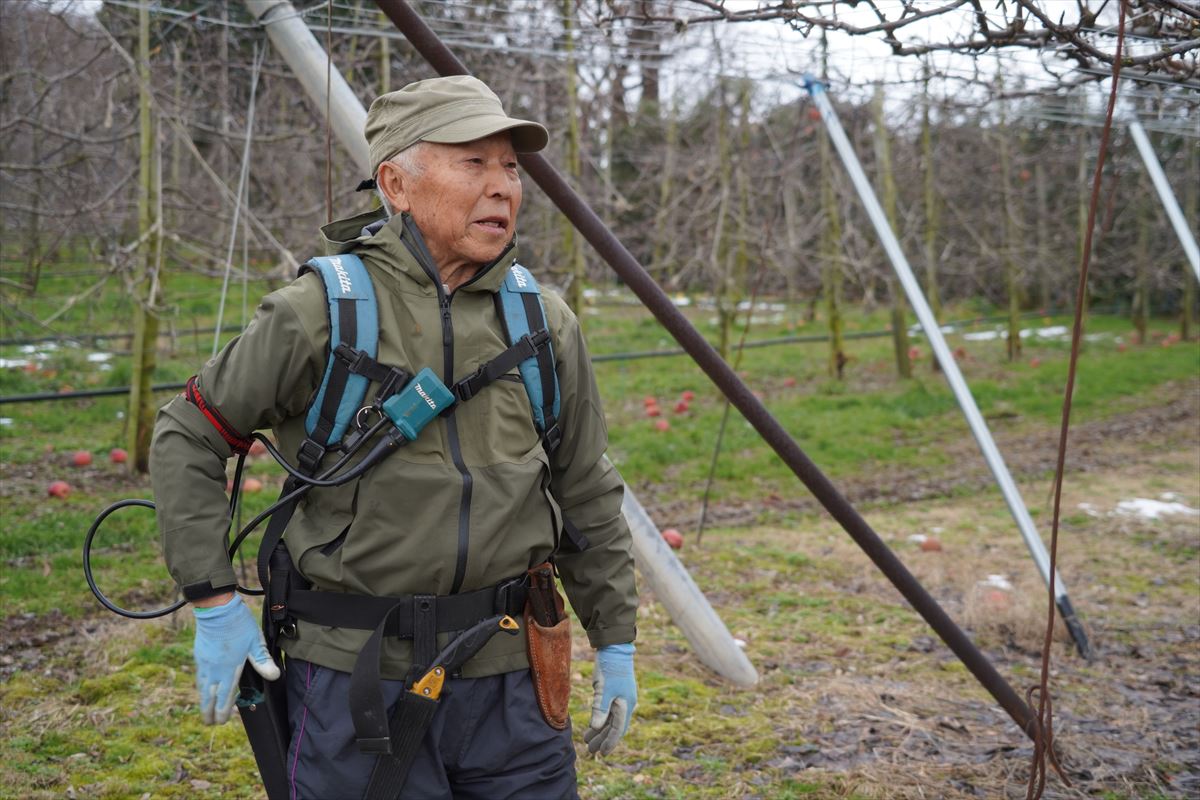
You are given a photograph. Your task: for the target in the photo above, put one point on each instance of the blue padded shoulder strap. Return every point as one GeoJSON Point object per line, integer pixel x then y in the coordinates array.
{"type": "Point", "coordinates": [524, 313]}
{"type": "Point", "coordinates": [353, 321]}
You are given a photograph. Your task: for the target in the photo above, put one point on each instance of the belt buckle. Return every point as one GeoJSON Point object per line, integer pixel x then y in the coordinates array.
{"type": "Point", "coordinates": [504, 593]}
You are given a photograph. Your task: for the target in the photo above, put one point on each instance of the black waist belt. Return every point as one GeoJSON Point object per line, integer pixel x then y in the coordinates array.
{"type": "Point", "coordinates": [454, 612]}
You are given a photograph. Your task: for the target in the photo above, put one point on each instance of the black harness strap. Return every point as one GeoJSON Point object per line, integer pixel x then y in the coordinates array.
{"type": "Point", "coordinates": [528, 346]}
{"type": "Point", "coordinates": [348, 328]}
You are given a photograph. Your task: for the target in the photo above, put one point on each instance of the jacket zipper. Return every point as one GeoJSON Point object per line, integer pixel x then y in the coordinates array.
{"type": "Point", "coordinates": [464, 504]}
{"type": "Point", "coordinates": [416, 246]}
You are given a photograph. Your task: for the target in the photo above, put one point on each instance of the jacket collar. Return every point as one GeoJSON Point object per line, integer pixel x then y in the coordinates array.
{"type": "Point", "coordinates": [397, 246]}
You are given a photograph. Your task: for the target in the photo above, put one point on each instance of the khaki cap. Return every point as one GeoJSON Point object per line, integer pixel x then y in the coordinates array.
{"type": "Point", "coordinates": [445, 110]}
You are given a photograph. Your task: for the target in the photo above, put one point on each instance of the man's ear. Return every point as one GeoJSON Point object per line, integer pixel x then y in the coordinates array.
{"type": "Point", "coordinates": [394, 184]}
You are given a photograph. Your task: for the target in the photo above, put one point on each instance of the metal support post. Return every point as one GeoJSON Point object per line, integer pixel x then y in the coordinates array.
{"type": "Point", "coordinates": [1167, 196]}
{"type": "Point", "coordinates": [954, 377]}
{"type": "Point", "coordinates": [310, 63]}
{"type": "Point", "coordinates": [608, 247]}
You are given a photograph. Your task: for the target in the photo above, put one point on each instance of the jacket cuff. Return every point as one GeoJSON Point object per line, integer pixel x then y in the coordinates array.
{"type": "Point", "coordinates": [618, 634]}
{"type": "Point", "coordinates": [225, 581]}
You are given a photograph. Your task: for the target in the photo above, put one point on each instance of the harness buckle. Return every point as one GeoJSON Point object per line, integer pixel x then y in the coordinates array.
{"type": "Point", "coordinates": [310, 456]}
{"type": "Point", "coordinates": [505, 594]}
{"type": "Point", "coordinates": [553, 437]}
{"type": "Point", "coordinates": [355, 359]}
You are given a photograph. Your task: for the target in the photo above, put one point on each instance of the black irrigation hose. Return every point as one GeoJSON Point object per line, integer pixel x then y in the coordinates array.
{"type": "Point", "coordinates": [92, 338]}
{"type": "Point", "coordinates": [85, 393]}
{"type": "Point", "coordinates": [596, 359]}
{"type": "Point", "coordinates": [380, 451]}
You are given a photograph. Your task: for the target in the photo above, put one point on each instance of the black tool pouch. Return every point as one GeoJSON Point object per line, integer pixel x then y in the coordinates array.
{"type": "Point", "coordinates": [262, 707]}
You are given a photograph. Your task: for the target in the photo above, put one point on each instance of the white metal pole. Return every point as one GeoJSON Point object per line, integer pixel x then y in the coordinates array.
{"type": "Point", "coordinates": [933, 333]}
{"type": "Point", "coordinates": [686, 604]}
{"type": "Point", "coordinates": [1165, 193]}
{"type": "Point", "coordinates": [681, 597]}
{"type": "Point", "coordinates": [309, 61]}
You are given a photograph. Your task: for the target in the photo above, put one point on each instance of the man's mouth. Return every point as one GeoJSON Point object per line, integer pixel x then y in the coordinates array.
{"type": "Point", "coordinates": [494, 224]}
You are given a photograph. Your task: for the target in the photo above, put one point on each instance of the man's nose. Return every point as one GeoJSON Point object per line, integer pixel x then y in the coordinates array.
{"type": "Point", "coordinates": [497, 182]}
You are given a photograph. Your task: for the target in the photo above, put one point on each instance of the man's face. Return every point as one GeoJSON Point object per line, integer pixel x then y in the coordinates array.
{"type": "Point", "coordinates": [465, 199]}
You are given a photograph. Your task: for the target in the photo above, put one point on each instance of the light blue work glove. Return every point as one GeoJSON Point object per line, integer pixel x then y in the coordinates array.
{"type": "Point", "coordinates": [615, 698]}
{"type": "Point", "coordinates": [225, 637]}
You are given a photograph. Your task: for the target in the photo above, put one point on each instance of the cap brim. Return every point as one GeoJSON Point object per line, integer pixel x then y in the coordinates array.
{"type": "Point", "coordinates": [527, 137]}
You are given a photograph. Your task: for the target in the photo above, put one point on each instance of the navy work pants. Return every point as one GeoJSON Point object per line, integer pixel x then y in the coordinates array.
{"type": "Point", "coordinates": [488, 741]}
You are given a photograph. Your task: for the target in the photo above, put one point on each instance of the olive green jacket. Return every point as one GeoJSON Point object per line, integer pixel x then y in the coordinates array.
{"type": "Point", "coordinates": [409, 523]}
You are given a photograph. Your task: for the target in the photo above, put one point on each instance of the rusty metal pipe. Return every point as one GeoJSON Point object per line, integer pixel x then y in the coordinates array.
{"type": "Point", "coordinates": [608, 247]}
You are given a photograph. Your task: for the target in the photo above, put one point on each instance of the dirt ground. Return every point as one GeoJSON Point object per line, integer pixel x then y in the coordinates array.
{"type": "Point", "coordinates": [1126, 721]}
{"type": "Point", "coordinates": [875, 706]}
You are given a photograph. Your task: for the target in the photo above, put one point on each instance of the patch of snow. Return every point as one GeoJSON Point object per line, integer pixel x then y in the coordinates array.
{"type": "Point", "coordinates": [745, 306]}
{"type": "Point", "coordinates": [1090, 510]}
{"type": "Point", "coordinates": [6, 421]}
{"type": "Point", "coordinates": [1051, 332]}
{"type": "Point", "coordinates": [740, 643]}
{"type": "Point", "coordinates": [1153, 509]}
{"type": "Point", "coordinates": [13, 363]}
{"type": "Point", "coordinates": [998, 582]}
{"type": "Point", "coordinates": [98, 358]}
{"type": "Point", "coordinates": [917, 538]}
{"type": "Point", "coordinates": [681, 300]}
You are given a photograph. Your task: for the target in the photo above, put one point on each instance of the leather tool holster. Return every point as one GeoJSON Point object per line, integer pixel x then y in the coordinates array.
{"type": "Point", "coordinates": [548, 636]}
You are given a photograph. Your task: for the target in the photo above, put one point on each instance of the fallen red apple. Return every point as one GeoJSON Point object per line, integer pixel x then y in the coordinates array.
{"type": "Point", "coordinates": [931, 545]}
{"type": "Point", "coordinates": [960, 353]}
{"type": "Point", "coordinates": [81, 458]}
{"type": "Point", "coordinates": [59, 489]}
{"type": "Point", "coordinates": [681, 407]}
{"type": "Point", "coordinates": [914, 353]}
{"type": "Point", "coordinates": [673, 538]}
{"type": "Point", "coordinates": [662, 425]}
{"type": "Point", "coordinates": [688, 395]}
{"type": "Point", "coordinates": [814, 113]}
{"type": "Point", "coordinates": [252, 485]}
{"type": "Point", "coordinates": [997, 600]}
{"type": "Point", "coordinates": [649, 401]}
{"type": "Point", "coordinates": [118, 456]}
{"type": "Point", "coordinates": [257, 448]}
{"type": "Point", "coordinates": [789, 382]}
{"type": "Point", "coordinates": [1035, 362]}
{"type": "Point", "coordinates": [1122, 347]}
{"type": "Point", "coordinates": [653, 411]}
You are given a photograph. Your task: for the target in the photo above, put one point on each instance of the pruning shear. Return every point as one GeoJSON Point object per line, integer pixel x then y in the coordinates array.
{"type": "Point", "coordinates": [460, 650]}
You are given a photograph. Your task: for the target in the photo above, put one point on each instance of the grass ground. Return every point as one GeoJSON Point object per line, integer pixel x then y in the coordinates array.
{"type": "Point", "coordinates": [856, 700]}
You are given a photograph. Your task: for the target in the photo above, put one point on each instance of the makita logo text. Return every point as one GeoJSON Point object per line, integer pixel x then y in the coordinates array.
{"type": "Point", "coordinates": [342, 276]}
{"type": "Point", "coordinates": [424, 396]}
{"type": "Point", "coordinates": [519, 275]}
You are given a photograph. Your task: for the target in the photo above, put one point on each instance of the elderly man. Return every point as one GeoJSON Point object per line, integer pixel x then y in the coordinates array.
{"type": "Point", "coordinates": [474, 502]}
